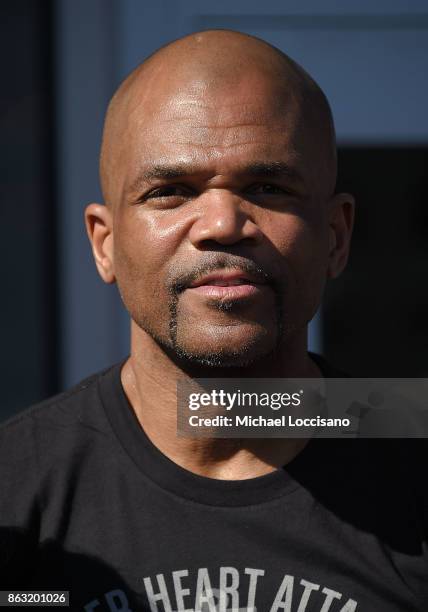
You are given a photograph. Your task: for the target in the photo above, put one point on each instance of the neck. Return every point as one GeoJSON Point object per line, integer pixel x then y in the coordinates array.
{"type": "Point", "coordinates": [149, 378]}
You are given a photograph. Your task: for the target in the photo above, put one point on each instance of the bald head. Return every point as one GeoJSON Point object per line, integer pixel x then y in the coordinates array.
{"type": "Point", "coordinates": [209, 66]}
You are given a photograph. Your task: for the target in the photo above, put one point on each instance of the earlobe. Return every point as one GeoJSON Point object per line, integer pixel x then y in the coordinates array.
{"type": "Point", "coordinates": [341, 223]}
{"type": "Point", "coordinates": [98, 221]}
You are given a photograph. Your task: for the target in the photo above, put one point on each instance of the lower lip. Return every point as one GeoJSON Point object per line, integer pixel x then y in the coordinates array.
{"type": "Point", "coordinates": [231, 292]}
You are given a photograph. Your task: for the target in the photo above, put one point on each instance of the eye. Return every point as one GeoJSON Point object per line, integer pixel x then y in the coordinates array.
{"type": "Point", "coordinates": [167, 196]}
{"type": "Point", "coordinates": [267, 189]}
{"type": "Point", "coordinates": [168, 191]}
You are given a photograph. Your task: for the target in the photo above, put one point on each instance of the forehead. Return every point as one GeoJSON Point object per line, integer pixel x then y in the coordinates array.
{"type": "Point", "coordinates": [217, 128]}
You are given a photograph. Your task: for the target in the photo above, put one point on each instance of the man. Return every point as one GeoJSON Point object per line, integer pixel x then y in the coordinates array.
{"type": "Point", "coordinates": [220, 226]}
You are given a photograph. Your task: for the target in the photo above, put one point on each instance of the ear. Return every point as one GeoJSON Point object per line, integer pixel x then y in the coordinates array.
{"type": "Point", "coordinates": [99, 225]}
{"type": "Point", "coordinates": [341, 222]}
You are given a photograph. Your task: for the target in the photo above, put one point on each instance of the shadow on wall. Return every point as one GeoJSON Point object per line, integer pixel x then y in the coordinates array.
{"type": "Point", "coordinates": [376, 314]}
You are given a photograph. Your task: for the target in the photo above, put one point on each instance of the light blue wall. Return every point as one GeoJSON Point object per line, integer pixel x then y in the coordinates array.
{"type": "Point", "coordinates": [370, 59]}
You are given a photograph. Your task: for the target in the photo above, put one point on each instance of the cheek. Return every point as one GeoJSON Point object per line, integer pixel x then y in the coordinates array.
{"type": "Point", "coordinates": [136, 266]}
{"type": "Point", "coordinates": [144, 245]}
{"type": "Point", "coordinates": [137, 250]}
{"type": "Point", "coordinates": [156, 235]}
{"type": "Point", "coordinates": [300, 240]}
{"type": "Point", "coordinates": [303, 245]}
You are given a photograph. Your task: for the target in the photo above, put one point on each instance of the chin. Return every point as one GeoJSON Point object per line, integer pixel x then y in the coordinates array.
{"type": "Point", "coordinates": [220, 359]}
{"type": "Point", "coordinates": [227, 352]}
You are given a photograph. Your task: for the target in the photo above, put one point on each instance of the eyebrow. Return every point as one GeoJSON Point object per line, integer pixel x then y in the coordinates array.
{"type": "Point", "coordinates": [272, 169]}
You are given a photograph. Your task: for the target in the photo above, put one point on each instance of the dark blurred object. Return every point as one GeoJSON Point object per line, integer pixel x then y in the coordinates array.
{"type": "Point", "coordinates": [28, 308]}
{"type": "Point", "coordinates": [376, 313]}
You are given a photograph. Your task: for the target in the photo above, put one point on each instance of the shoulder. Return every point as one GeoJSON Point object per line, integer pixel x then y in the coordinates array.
{"type": "Point", "coordinates": [56, 406]}
{"type": "Point", "coordinates": [45, 448]}
{"type": "Point", "coordinates": [49, 428]}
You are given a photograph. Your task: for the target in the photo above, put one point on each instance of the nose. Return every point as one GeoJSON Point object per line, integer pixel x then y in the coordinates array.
{"type": "Point", "coordinates": [224, 219]}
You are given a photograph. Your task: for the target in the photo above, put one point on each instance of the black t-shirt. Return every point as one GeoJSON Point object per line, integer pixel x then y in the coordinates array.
{"type": "Point", "coordinates": [88, 504]}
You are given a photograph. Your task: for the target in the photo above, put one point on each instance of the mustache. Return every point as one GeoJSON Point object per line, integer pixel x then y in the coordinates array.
{"type": "Point", "coordinates": [185, 278]}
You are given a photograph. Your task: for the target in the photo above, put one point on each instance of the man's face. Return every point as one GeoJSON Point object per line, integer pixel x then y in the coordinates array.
{"type": "Point", "coordinates": [220, 220]}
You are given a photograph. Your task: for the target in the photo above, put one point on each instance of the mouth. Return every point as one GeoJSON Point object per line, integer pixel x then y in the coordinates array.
{"type": "Point", "coordinates": [228, 285]}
